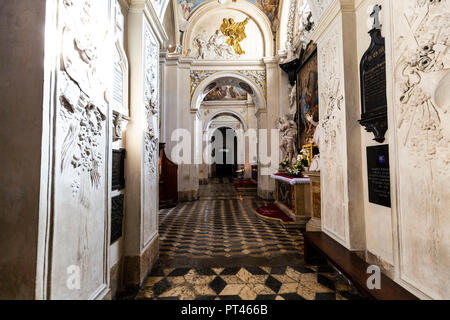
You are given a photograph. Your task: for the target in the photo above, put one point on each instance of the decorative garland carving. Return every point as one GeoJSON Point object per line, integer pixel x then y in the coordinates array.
{"type": "Point", "coordinates": [423, 130]}
{"type": "Point", "coordinates": [331, 133]}
{"type": "Point", "coordinates": [82, 96]}
{"type": "Point", "coordinates": [151, 100]}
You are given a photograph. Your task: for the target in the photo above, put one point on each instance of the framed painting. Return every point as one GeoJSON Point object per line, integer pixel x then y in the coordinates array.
{"type": "Point", "coordinates": [307, 97]}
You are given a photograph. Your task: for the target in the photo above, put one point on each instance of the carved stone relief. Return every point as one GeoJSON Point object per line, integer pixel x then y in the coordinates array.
{"type": "Point", "coordinates": [79, 221]}
{"type": "Point", "coordinates": [119, 122]}
{"type": "Point", "coordinates": [318, 7]}
{"type": "Point", "coordinates": [151, 100]}
{"type": "Point", "coordinates": [213, 47]}
{"type": "Point", "coordinates": [331, 129]}
{"type": "Point", "coordinates": [82, 96]}
{"type": "Point", "coordinates": [422, 62]}
{"type": "Point", "coordinates": [150, 129]}
{"type": "Point", "coordinates": [300, 28]}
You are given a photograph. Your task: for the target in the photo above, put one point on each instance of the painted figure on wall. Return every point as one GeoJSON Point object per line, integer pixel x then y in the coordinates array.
{"type": "Point", "coordinates": [226, 93]}
{"type": "Point", "coordinates": [308, 104]}
{"type": "Point", "coordinates": [186, 7]}
{"type": "Point", "coordinates": [270, 8]}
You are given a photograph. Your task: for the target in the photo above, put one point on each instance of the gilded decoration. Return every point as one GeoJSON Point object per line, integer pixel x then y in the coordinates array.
{"type": "Point", "coordinates": [235, 31]}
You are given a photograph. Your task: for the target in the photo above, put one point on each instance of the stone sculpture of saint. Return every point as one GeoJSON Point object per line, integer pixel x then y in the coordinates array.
{"type": "Point", "coordinates": [288, 138]}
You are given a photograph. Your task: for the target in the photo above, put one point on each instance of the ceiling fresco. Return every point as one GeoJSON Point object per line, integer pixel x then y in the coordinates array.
{"type": "Point", "coordinates": [269, 7]}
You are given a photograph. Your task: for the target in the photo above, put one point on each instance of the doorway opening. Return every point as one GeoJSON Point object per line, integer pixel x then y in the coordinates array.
{"type": "Point", "coordinates": [225, 149]}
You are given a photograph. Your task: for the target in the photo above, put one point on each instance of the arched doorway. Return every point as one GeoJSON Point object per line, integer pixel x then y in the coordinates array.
{"type": "Point", "coordinates": [246, 118]}
{"type": "Point", "coordinates": [225, 153]}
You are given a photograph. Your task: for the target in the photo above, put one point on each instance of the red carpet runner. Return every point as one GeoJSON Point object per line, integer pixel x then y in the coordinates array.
{"type": "Point", "coordinates": [272, 212]}
{"type": "Point", "coordinates": [245, 184]}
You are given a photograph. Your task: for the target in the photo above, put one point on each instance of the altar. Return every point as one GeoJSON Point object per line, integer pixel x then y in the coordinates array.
{"type": "Point", "coordinates": [293, 197]}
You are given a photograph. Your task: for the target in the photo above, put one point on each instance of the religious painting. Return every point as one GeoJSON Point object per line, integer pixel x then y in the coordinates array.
{"type": "Point", "coordinates": [270, 8]}
{"type": "Point", "coordinates": [225, 93]}
{"type": "Point", "coordinates": [186, 7]}
{"type": "Point", "coordinates": [307, 98]}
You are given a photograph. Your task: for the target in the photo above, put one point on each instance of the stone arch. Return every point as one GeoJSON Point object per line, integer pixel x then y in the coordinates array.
{"type": "Point", "coordinates": [202, 89]}
{"type": "Point", "coordinates": [225, 113]}
{"type": "Point", "coordinates": [246, 7]}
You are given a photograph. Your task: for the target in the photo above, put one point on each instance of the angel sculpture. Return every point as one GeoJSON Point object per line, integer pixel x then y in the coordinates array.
{"type": "Point", "coordinates": [236, 33]}
{"type": "Point", "coordinates": [288, 138]}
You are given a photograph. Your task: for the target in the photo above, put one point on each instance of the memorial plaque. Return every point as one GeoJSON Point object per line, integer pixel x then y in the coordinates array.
{"type": "Point", "coordinates": [118, 169]}
{"type": "Point", "coordinates": [116, 218]}
{"type": "Point", "coordinates": [378, 175]}
{"type": "Point", "coordinates": [373, 77]}
{"type": "Point", "coordinates": [373, 83]}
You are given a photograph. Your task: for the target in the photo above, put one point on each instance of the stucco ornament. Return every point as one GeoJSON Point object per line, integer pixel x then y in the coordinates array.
{"type": "Point", "coordinates": [306, 24]}
{"type": "Point", "coordinates": [82, 97]}
{"type": "Point", "coordinates": [197, 77]}
{"type": "Point", "coordinates": [119, 121]}
{"type": "Point", "coordinates": [288, 139]}
{"type": "Point", "coordinates": [258, 77]}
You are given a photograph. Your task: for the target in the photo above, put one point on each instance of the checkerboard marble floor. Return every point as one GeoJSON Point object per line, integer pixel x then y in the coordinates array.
{"type": "Point", "coordinates": [218, 248]}
{"type": "Point", "coordinates": [247, 283]}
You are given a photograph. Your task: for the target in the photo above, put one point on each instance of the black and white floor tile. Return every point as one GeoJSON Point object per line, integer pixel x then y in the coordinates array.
{"type": "Point", "coordinates": [218, 248]}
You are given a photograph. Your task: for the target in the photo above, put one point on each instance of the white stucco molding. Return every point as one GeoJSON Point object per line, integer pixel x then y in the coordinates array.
{"type": "Point", "coordinates": [199, 94]}
{"type": "Point", "coordinates": [328, 16]}
{"type": "Point", "coordinates": [138, 6]}
{"type": "Point", "coordinates": [234, 114]}
{"type": "Point", "coordinates": [246, 7]}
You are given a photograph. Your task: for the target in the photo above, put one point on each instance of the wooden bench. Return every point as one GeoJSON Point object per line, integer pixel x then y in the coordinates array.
{"type": "Point", "coordinates": [319, 247]}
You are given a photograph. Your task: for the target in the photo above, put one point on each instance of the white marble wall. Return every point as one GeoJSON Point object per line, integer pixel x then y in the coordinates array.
{"type": "Point", "coordinates": [80, 198]}
{"type": "Point", "coordinates": [409, 241]}
{"type": "Point", "coordinates": [340, 142]}
{"type": "Point", "coordinates": [22, 126]}
{"type": "Point", "coordinates": [145, 38]}
{"type": "Point", "coordinates": [70, 256]}
{"type": "Point", "coordinates": [378, 219]}
{"type": "Point", "coordinates": [421, 136]}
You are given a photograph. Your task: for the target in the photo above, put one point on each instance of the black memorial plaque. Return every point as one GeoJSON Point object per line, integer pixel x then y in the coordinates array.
{"type": "Point", "coordinates": [116, 218]}
{"type": "Point", "coordinates": [378, 175]}
{"type": "Point", "coordinates": [373, 77]}
{"type": "Point", "coordinates": [373, 83]}
{"type": "Point", "coordinates": [118, 169]}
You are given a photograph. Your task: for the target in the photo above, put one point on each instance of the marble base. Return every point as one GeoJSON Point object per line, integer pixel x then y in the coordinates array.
{"type": "Point", "coordinates": [314, 225]}
{"type": "Point", "coordinates": [386, 268]}
{"type": "Point", "coordinates": [136, 268]}
{"type": "Point", "coordinates": [116, 274]}
{"type": "Point", "coordinates": [266, 194]}
{"type": "Point", "coordinates": [191, 195]}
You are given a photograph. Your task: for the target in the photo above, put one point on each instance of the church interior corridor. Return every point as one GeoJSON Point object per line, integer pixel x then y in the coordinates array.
{"type": "Point", "coordinates": [267, 152]}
